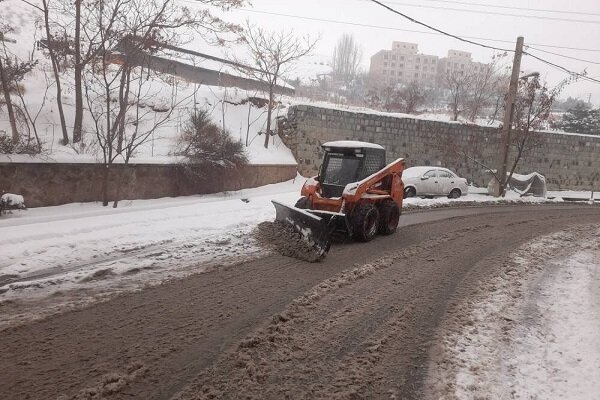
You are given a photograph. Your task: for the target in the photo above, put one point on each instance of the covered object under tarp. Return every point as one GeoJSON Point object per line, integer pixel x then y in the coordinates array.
{"type": "Point", "coordinates": [531, 184]}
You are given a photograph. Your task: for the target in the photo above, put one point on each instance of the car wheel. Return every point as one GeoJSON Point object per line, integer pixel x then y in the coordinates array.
{"type": "Point", "coordinates": [303, 203]}
{"type": "Point", "coordinates": [365, 222]}
{"type": "Point", "coordinates": [389, 216]}
{"type": "Point", "coordinates": [454, 194]}
{"type": "Point", "coordinates": [410, 192]}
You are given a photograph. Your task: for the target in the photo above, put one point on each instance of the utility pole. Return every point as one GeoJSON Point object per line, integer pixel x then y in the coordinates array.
{"type": "Point", "coordinates": [508, 116]}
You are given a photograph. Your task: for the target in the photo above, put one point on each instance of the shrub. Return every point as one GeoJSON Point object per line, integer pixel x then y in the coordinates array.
{"type": "Point", "coordinates": [204, 141]}
{"type": "Point", "coordinates": [7, 146]}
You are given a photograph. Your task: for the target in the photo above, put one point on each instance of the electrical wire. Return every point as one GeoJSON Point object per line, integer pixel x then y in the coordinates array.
{"type": "Point", "coordinates": [438, 30]}
{"type": "Point", "coordinates": [333, 21]}
{"type": "Point", "coordinates": [564, 56]}
{"type": "Point", "coordinates": [585, 21]}
{"type": "Point", "coordinates": [563, 69]}
{"type": "Point", "coordinates": [513, 8]}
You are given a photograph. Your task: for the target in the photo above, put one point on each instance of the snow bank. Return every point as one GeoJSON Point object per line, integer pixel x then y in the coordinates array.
{"type": "Point", "coordinates": [531, 332]}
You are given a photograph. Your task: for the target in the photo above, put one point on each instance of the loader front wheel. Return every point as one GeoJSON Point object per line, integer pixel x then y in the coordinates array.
{"type": "Point", "coordinates": [365, 221]}
{"type": "Point", "coordinates": [303, 203]}
{"type": "Point", "coordinates": [389, 216]}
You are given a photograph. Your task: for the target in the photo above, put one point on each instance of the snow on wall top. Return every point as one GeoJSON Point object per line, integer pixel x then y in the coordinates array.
{"type": "Point", "coordinates": [352, 144]}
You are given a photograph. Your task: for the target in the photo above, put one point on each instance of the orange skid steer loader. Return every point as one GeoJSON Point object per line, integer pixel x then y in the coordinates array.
{"type": "Point", "coordinates": [355, 192]}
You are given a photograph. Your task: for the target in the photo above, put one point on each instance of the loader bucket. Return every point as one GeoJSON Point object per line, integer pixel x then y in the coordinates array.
{"type": "Point", "coordinates": [313, 229]}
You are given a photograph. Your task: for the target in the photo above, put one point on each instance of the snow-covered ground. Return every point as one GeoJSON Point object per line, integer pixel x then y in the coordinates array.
{"type": "Point", "coordinates": [532, 331]}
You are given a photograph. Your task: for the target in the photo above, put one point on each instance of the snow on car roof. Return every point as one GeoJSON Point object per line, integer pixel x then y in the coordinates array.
{"type": "Point", "coordinates": [416, 171]}
{"type": "Point", "coordinates": [352, 144]}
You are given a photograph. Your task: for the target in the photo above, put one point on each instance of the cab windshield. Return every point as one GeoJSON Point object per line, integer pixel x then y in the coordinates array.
{"type": "Point", "coordinates": [341, 169]}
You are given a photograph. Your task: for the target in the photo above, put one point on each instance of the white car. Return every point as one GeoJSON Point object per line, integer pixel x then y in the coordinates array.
{"type": "Point", "coordinates": [433, 181]}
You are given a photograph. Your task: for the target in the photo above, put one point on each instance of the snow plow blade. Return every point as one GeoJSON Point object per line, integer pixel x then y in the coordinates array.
{"type": "Point", "coordinates": [313, 229]}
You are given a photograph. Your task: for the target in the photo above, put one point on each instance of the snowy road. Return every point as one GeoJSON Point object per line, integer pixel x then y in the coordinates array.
{"type": "Point", "coordinates": [361, 324]}
{"type": "Point", "coordinates": [85, 252]}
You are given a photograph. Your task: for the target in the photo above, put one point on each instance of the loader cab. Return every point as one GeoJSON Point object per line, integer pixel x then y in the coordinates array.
{"type": "Point", "coordinates": [345, 162]}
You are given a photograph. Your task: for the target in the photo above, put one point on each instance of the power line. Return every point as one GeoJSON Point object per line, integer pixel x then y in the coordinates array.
{"type": "Point", "coordinates": [562, 55]}
{"type": "Point", "coordinates": [514, 8]}
{"type": "Point", "coordinates": [584, 21]}
{"type": "Point", "coordinates": [438, 30]}
{"type": "Point", "coordinates": [333, 21]}
{"type": "Point", "coordinates": [563, 69]}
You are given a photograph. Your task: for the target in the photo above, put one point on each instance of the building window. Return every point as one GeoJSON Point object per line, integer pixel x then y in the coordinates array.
{"type": "Point", "coordinates": [385, 56]}
{"type": "Point", "coordinates": [393, 65]}
{"type": "Point", "coordinates": [385, 64]}
{"type": "Point", "coordinates": [393, 57]}
{"type": "Point", "coordinates": [416, 67]}
{"type": "Point", "coordinates": [401, 58]}
{"type": "Point", "coordinates": [392, 73]}
{"type": "Point", "coordinates": [416, 75]}
{"type": "Point", "coordinates": [400, 65]}
{"type": "Point", "coordinates": [462, 66]}
{"type": "Point", "coordinates": [400, 73]}
{"type": "Point", "coordinates": [425, 61]}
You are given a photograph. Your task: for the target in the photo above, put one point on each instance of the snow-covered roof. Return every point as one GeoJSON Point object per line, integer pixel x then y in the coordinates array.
{"type": "Point", "coordinates": [416, 171]}
{"type": "Point", "coordinates": [352, 144]}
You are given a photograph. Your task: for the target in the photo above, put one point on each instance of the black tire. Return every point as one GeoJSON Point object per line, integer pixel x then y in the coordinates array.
{"type": "Point", "coordinates": [454, 194]}
{"type": "Point", "coordinates": [410, 192]}
{"type": "Point", "coordinates": [303, 203]}
{"type": "Point", "coordinates": [389, 216]}
{"type": "Point", "coordinates": [365, 222]}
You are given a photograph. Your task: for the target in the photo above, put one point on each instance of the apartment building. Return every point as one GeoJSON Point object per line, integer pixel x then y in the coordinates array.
{"type": "Point", "coordinates": [458, 61]}
{"type": "Point", "coordinates": [403, 64]}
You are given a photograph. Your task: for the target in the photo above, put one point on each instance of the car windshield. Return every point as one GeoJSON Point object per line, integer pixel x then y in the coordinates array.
{"type": "Point", "coordinates": [341, 170]}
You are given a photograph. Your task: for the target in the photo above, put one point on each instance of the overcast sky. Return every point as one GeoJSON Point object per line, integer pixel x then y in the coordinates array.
{"type": "Point", "coordinates": [446, 15]}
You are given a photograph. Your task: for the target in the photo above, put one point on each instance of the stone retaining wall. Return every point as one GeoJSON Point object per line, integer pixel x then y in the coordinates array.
{"type": "Point", "coordinates": [49, 184]}
{"type": "Point", "coordinates": [568, 161]}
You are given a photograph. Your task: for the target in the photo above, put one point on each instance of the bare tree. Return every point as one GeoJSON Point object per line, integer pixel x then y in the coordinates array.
{"type": "Point", "coordinates": [6, 84]}
{"type": "Point", "coordinates": [273, 54]}
{"type": "Point", "coordinates": [347, 56]}
{"type": "Point", "coordinates": [458, 84]}
{"type": "Point", "coordinates": [532, 109]}
{"type": "Point", "coordinates": [484, 80]}
{"type": "Point", "coordinates": [412, 96]}
{"type": "Point", "coordinates": [119, 79]}
{"type": "Point", "coordinates": [54, 59]}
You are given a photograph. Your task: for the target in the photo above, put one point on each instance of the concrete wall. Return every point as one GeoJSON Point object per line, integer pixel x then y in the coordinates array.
{"type": "Point", "coordinates": [567, 161]}
{"type": "Point", "coordinates": [48, 184]}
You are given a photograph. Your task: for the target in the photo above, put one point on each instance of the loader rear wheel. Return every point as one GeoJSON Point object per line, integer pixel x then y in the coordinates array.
{"type": "Point", "coordinates": [303, 203]}
{"type": "Point", "coordinates": [365, 221]}
{"type": "Point", "coordinates": [389, 216]}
